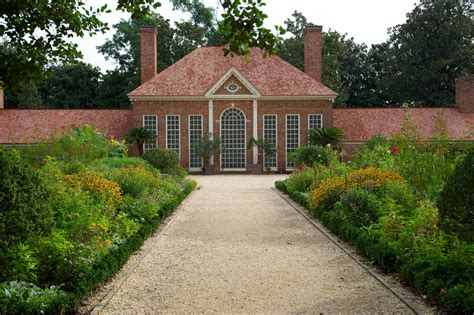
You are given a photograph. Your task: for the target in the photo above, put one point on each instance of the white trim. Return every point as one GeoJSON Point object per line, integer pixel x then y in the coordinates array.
{"type": "Point", "coordinates": [245, 141]}
{"type": "Point", "coordinates": [194, 169]}
{"type": "Point", "coordinates": [179, 133]}
{"type": "Point", "coordinates": [276, 140]}
{"type": "Point", "coordinates": [255, 130]}
{"type": "Point", "coordinates": [286, 138]}
{"type": "Point", "coordinates": [226, 76]}
{"type": "Point", "coordinates": [156, 133]}
{"type": "Point", "coordinates": [210, 115]}
{"type": "Point", "coordinates": [232, 97]}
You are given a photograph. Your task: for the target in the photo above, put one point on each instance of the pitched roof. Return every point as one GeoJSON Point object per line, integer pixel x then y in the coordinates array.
{"type": "Point", "coordinates": [360, 124]}
{"type": "Point", "coordinates": [197, 72]}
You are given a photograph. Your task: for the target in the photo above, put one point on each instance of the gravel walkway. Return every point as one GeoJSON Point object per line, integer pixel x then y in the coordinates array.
{"type": "Point", "coordinates": [238, 247]}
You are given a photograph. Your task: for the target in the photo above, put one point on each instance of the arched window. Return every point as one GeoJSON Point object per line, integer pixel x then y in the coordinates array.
{"type": "Point", "coordinates": [233, 141]}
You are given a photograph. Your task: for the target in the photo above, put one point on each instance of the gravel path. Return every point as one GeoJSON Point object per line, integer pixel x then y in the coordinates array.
{"type": "Point", "coordinates": [238, 247]}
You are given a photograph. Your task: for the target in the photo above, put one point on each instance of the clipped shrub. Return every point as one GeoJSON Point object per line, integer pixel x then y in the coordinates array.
{"type": "Point", "coordinates": [166, 161]}
{"type": "Point", "coordinates": [26, 298]}
{"type": "Point", "coordinates": [100, 187]}
{"type": "Point", "coordinates": [312, 155]}
{"type": "Point", "coordinates": [328, 192]}
{"type": "Point", "coordinates": [24, 201]}
{"type": "Point", "coordinates": [282, 185]}
{"type": "Point", "coordinates": [456, 202]}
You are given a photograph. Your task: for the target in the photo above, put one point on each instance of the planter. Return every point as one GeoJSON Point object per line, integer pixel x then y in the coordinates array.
{"type": "Point", "coordinates": [209, 169]}
{"type": "Point", "coordinates": [257, 168]}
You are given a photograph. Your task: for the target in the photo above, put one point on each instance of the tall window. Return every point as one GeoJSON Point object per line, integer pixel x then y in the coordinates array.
{"type": "Point", "coordinates": [150, 122]}
{"type": "Point", "coordinates": [195, 134]}
{"type": "Point", "coordinates": [172, 133]}
{"type": "Point", "coordinates": [270, 135]}
{"type": "Point", "coordinates": [315, 121]}
{"type": "Point", "coordinates": [292, 136]}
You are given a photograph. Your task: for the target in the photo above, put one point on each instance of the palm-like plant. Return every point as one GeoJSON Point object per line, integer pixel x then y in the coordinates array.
{"type": "Point", "coordinates": [324, 136]}
{"type": "Point", "coordinates": [139, 135]}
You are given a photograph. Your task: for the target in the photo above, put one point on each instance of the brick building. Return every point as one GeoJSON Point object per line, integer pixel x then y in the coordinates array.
{"type": "Point", "coordinates": [237, 99]}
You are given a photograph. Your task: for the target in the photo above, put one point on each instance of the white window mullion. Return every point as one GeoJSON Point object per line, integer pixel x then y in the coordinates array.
{"type": "Point", "coordinates": [173, 133]}
{"type": "Point", "coordinates": [270, 134]}
{"type": "Point", "coordinates": [292, 135]}
{"type": "Point", "coordinates": [195, 134]}
{"type": "Point", "coordinates": [150, 122]}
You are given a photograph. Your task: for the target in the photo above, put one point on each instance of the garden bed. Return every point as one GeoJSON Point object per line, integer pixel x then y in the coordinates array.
{"type": "Point", "coordinates": [75, 209]}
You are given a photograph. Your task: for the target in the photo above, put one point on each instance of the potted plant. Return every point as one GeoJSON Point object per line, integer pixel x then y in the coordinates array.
{"type": "Point", "coordinates": [268, 149]}
{"type": "Point", "coordinates": [206, 148]}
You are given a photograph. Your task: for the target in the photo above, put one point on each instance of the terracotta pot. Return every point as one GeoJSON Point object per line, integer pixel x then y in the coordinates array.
{"type": "Point", "coordinates": [209, 169]}
{"type": "Point", "coordinates": [257, 168]}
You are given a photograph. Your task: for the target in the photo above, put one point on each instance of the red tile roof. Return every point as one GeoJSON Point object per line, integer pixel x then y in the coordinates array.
{"type": "Point", "coordinates": [37, 125]}
{"type": "Point", "coordinates": [197, 72]}
{"type": "Point", "coordinates": [360, 124]}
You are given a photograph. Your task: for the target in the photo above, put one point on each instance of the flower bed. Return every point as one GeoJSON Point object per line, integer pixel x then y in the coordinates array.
{"type": "Point", "coordinates": [384, 202]}
{"type": "Point", "coordinates": [73, 217]}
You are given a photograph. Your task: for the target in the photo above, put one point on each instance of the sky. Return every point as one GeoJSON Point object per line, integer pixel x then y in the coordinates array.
{"type": "Point", "coordinates": [366, 21]}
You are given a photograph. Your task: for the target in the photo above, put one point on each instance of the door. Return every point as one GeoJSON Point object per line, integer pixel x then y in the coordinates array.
{"type": "Point", "coordinates": [233, 140]}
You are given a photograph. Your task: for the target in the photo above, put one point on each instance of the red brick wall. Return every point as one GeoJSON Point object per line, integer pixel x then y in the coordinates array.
{"type": "Point", "coordinates": [148, 53]}
{"type": "Point", "coordinates": [312, 51]}
{"type": "Point", "coordinates": [37, 125]}
{"type": "Point", "coordinates": [163, 108]}
{"type": "Point", "coordinates": [465, 94]}
{"type": "Point", "coordinates": [185, 108]}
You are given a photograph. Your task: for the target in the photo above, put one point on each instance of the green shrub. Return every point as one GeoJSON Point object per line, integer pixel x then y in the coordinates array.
{"type": "Point", "coordinates": [301, 180]}
{"type": "Point", "coordinates": [105, 165]}
{"type": "Point", "coordinates": [134, 180]}
{"type": "Point", "coordinates": [166, 161]}
{"type": "Point", "coordinates": [456, 202]}
{"type": "Point", "coordinates": [24, 201]}
{"type": "Point", "coordinates": [140, 210]}
{"type": "Point", "coordinates": [26, 298]}
{"type": "Point", "coordinates": [19, 263]}
{"type": "Point", "coordinates": [312, 155]}
{"type": "Point", "coordinates": [324, 136]}
{"type": "Point", "coordinates": [282, 185]}
{"type": "Point", "coordinates": [377, 141]}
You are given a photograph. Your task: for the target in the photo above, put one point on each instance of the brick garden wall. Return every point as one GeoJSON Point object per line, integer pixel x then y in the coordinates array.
{"type": "Point", "coordinates": [37, 125]}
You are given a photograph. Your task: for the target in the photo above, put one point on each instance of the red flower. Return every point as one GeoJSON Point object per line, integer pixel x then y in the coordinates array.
{"type": "Point", "coordinates": [394, 150]}
{"type": "Point", "coordinates": [73, 152]}
{"type": "Point", "coordinates": [62, 126]}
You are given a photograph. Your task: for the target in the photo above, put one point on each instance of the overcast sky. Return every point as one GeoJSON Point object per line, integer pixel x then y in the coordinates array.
{"type": "Point", "coordinates": [366, 21]}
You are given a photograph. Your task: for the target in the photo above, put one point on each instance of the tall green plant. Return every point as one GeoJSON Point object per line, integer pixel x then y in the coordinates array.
{"type": "Point", "coordinates": [326, 136]}
{"type": "Point", "coordinates": [207, 146]}
{"type": "Point", "coordinates": [139, 135]}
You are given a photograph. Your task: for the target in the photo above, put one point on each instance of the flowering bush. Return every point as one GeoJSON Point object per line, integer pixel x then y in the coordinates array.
{"type": "Point", "coordinates": [328, 192]}
{"type": "Point", "coordinates": [100, 187]}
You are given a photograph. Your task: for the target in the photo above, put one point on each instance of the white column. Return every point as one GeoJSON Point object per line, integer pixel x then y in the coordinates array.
{"type": "Point", "coordinates": [211, 125]}
{"type": "Point", "coordinates": [255, 130]}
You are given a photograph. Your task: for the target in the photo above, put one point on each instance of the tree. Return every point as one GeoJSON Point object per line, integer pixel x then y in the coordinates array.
{"type": "Point", "coordinates": [344, 61]}
{"type": "Point", "coordinates": [71, 86]}
{"type": "Point", "coordinates": [428, 52]}
{"type": "Point", "coordinates": [36, 32]}
{"type": "Point", "coordinates": [139, 135]}
{"type": "Point", "coordinates": [24, 95]}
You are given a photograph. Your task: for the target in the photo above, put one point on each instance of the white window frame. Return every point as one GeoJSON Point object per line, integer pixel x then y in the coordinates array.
{"type": "Point", "coordinates": [194, 169]}
{"type": "Point", "coordinates": [156, 133]}
{"type": "Point", "coordinates": [309, 121]}
{"type": "Point", "coordinates": [286, 138]}
{"type": "Point", "coordinates": [276, 140]}
{"type": "Point", "coordinates": [245, 142]}
{"type": "Point", "coordinates": [179, 134]}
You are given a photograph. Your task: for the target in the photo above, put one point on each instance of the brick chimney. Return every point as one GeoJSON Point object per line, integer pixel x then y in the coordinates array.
{"type": "Point", "coordinates": [312, 51]}
{"type": "Point", "coordinates": [465, 94]}
{"type": "Point", "coordinates": [147, 53]}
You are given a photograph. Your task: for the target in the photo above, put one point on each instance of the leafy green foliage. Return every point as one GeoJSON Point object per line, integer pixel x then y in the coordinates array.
{"type": "Point", "coordinates": [457, 199]}
{"type": "Point", "coordinates": [207, 146]}
{"type": "Point", "coordinates": [166, 161]}
{"type": "Point", "coordinates": [242, 27]}
{"type": "Point", "coordinates": [24, 200]}
{"type": "Point", "coordinates": [26, 298]}
{"type": "Point", "coordinates": [267, 147]}
{"type": "Point", "coordinates": [139, 135]}
{"type": "Point", "coordinates": [326, 136]}
{"type": "Point", "coordinates": [312, 155]}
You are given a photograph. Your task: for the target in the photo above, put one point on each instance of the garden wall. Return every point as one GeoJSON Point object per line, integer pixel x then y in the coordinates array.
{"type": "Point", "coordinates": [37, 125]}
